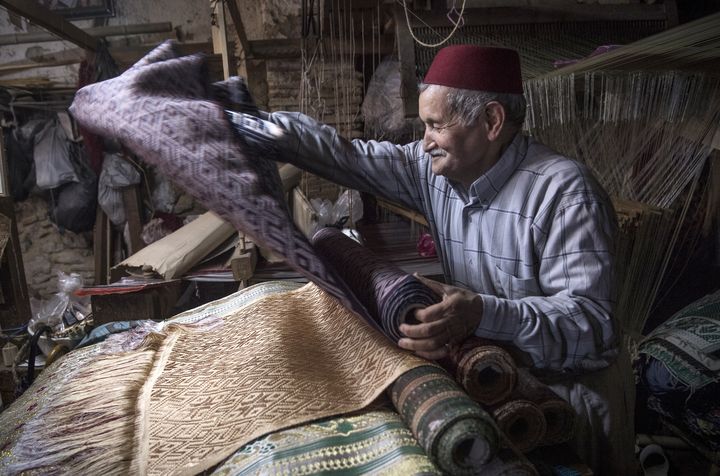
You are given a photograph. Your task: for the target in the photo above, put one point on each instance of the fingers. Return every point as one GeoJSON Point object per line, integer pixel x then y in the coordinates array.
{"type": "Point", "coordinates": [425, 330]}
{"type": "Point", "coordinates": [427, 348]}
{"type": "Point", "coordinates": [438, 288]}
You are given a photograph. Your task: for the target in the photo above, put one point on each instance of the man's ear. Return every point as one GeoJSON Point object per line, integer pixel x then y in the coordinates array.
{"type": "Point", "coordinates": [495, 117]}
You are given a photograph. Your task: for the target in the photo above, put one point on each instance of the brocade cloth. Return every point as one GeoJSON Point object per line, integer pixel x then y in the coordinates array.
{"type": "Point", "coordinates": [371, 443]}
{"type": "Point", "coordinates": [163, 110]}
{"type": "Point", "coordinates": [192, 394]}
{"type": "Point", "coordinates": [389, 294]}
{"type": "Point", "coordinates": [455, 431]}
{"type": "Point", "coordinates": [679, 368]}
{"type": "Point", "coordinates": [284, 360]}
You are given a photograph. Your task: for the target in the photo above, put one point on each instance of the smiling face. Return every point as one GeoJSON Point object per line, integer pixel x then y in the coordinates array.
{"type": "Point", "coordinates": [459, 152]}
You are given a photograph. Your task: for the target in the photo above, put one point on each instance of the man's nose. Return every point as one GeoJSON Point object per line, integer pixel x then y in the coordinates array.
{"type": "Point", "coordinates": [428, 142]}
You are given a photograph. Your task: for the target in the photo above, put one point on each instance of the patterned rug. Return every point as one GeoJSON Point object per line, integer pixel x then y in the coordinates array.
{"type": "Point", "coordinates": [487, 372]}
{"type": "Point", "coordinates": [389, 294]}
{"type": "Point", "coordinates": [522, 422]}
{"type": "Point", "coordinates": [455, 431]}
{"type": "Point", "coordinates": [372, 443]}
{"type": "Point", "coordinates": [559, 416]}
{"type": "Point", "coordinates": [287, 359]}
{"type": "Point", "coordinates": [182, 399]}
{"type": "Point", "coordinates": [688, 343]}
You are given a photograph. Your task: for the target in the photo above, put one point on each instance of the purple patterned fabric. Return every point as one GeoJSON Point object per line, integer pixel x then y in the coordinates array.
{"type": "Point", "coordinates": [164, 112]}
{"type": "Point", "coordinates": [389, 294]}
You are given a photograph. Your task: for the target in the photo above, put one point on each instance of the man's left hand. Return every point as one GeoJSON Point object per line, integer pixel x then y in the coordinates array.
{"type": "Point", "coordinates": [450, 321]}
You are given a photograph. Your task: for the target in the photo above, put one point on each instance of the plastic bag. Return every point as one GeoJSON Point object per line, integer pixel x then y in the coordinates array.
{"type": "Point", "coordinates": [51, 154]}
{"type": "Point", "coordinates": [53, 311]}
{"type": "Point", "coordinates": [347, 208]}
{"type": "Point", "coordinates": [116, 174]}
{"type": "Point", "coordinates": [74, 205]}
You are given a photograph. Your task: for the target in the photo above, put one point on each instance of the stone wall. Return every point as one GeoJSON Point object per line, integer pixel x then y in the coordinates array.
{"type": "Point", "coordinates": [46, 251]}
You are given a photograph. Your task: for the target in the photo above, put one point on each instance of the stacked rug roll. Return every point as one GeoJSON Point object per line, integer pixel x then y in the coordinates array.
{"type": "Point", "coordinates": [487, 372]}
{"type": "Point", "coordinates": [526, 411]}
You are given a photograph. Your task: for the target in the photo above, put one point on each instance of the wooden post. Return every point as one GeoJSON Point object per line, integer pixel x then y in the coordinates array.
{"type": "Point", "coordinates": [133, 214]}
{"type": "Point", "coordinates": [14, 298]}
{"type": "Point", "coordinates": [101, 246]}
{"type": "Point", "coordinates": [219, 35]}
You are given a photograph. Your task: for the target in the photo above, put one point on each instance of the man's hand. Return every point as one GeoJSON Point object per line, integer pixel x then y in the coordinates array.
{"type": "Point", "coordinates": [448, 322]}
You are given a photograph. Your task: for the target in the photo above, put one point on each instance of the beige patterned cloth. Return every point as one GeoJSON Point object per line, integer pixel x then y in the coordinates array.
{"type": "Point", "coordinates": [188, 394]}
{"type": "Point", "coordinates": [286, 359]}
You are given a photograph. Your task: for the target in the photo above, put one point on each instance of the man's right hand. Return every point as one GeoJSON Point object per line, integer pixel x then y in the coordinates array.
{"type": "Point", "coordinates": [450, 321]}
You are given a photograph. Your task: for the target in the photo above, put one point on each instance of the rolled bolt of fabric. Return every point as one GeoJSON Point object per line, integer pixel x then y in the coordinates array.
{"type": "Point", "coordinates": [522, 422]}
{"type": "Point", "coordinates": [508, 462]}
{"type": "Point", "coordinates": [486, 372]}
{"type": "Point", "coordinates": [388, 293]}
{"type": "Point", "coordinates": [455, 431]}
{"type": "Point", "coordinates": [559, 415]}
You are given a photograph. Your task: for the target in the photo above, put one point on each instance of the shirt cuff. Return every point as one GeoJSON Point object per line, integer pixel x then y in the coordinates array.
{"type": "Point", "coordinates": [497, 323]}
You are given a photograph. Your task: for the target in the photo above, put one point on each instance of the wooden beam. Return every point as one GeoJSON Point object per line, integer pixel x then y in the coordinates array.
{"type": "Point", "coordinates": [239, 28]}
{"type": "Point", "coordinates": [133, 214]}
{"type": "Point", "coordinates": [100, 31]}
{"type": "Point", "coordinates": [102, 246]}
{"type": "Point", "coordinates": [52, 22]}
{"type": "Point", "coordinates": [291, 47]}
{"type": "Point", "coordinates": [15, 306]}
{"type": "Point", "coordinates": [219, 35]}
{"type": "Point", "coordinates": [543, 14]}
{"type": "Point", "coordinates": [402, 211]}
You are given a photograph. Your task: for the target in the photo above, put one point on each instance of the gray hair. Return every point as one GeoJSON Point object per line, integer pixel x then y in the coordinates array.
{"type": "Point", "coordinates": [468, 105]}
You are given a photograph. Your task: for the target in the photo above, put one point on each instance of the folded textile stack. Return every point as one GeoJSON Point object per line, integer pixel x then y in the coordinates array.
{"type": "Point", "coordinates": [678, 366]}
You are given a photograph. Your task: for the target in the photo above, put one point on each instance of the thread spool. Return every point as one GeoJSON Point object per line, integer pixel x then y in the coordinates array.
{"type": "Point", "coordinates": [9, 352]}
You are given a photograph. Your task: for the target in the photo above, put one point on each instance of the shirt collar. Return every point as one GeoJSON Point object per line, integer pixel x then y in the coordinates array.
{"type": "Point", "coordinates": [484, 189]}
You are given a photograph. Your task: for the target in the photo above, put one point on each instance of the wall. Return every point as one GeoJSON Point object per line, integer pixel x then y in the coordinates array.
{"type": "Point", "coordinates": [45, 249]}
{"type": "Point", "coordinates": [190, 18]}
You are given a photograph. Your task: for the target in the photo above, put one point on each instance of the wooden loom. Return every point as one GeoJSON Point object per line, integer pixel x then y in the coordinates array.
{"type": "Point", "coordinates": [645, 118]}
{"type": "Point", "coordinates": [541, 34]}
{"type": "Point", "coordinates": [665, 118]}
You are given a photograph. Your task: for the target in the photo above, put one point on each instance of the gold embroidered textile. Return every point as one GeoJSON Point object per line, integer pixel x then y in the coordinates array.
{"type": "Point", "coordinates": [284, 360]}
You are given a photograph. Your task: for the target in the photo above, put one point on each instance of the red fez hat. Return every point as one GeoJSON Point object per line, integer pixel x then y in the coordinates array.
{"type": "Point", "coordinates": [479, 68]}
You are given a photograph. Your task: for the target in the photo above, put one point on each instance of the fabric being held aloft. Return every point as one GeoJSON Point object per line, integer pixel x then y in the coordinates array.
{"type": "Point", "coordinates": [163, 110]}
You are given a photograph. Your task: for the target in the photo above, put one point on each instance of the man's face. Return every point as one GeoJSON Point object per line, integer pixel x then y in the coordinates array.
{"type": "Point", "coordinates": [458, 151]}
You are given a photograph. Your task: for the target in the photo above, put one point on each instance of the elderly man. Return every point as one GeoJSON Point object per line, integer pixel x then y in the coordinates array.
{"type": "Point", "coordinates": [525, 236]}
